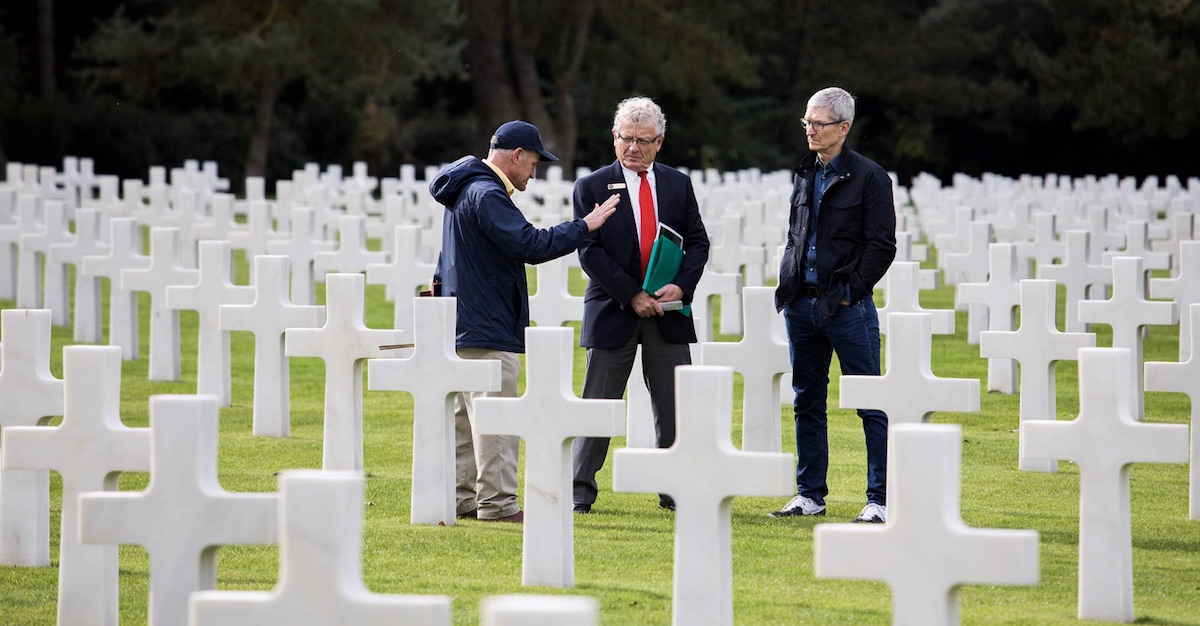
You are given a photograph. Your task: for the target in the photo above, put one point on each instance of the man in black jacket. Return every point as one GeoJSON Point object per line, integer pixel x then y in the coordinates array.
{"type": "Point", "coordinates": [841, 241]}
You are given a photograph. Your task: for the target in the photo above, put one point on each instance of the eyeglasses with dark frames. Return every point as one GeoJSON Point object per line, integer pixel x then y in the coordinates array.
{"type": "Point", "coordinates": [818, 126]}
{"type": "Point", "coordinates": [638, 140]}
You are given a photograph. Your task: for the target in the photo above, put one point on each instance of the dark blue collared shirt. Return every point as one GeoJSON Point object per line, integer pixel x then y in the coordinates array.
{"type": "Point", "coordinates": [821, 179]}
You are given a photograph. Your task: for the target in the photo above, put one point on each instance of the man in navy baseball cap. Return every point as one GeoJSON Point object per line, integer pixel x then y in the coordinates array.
{"type": "Point", "coordinates": [520, 134]}
{"type": "Point", "coordinates": [486, 243]}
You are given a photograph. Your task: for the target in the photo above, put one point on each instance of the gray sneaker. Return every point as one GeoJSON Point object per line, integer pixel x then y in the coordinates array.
{"type": "Point", "coordinates": [872, 514]}
{"type": "Point", "coordinates": [800, 505]}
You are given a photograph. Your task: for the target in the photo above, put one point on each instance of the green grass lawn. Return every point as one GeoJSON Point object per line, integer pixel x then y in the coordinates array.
{"type": "Point", "coordinates": [623, 552]}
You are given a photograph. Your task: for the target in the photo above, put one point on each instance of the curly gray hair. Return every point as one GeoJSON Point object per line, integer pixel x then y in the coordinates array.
{"type": "Point", "coordinates": [640, 110]}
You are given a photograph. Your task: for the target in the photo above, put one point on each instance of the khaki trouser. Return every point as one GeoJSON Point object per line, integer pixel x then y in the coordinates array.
{"type": "Point", "coordinates": [486, 465]}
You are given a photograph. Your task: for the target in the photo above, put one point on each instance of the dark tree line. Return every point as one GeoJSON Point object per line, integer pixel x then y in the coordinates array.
{"type": "Point", "coordinates": [263, 86]}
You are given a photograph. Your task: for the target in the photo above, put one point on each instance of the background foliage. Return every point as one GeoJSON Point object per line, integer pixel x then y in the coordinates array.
{"type": "Point", "coordinates": [1071, 87]}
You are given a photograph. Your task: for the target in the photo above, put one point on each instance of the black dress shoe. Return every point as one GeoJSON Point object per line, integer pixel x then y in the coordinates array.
{"type": "Point", "coordinates": [667, 504]}
{"type": "Point", "coordinates": [472, 514]}
{"type": "Point", "coordinates": [583, 509]}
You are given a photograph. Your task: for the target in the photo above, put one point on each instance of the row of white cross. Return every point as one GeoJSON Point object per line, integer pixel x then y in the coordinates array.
{"type": "Point", "coordinates": [547, 498]}
{"type": "Point", "coordinates": [344, 342]}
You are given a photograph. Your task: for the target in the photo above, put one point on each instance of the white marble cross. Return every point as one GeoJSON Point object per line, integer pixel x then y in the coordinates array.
{"type": "Point", "coordinates": [392, 210]}
{"type": "Point", "coordinates": [88, 449]}
{"type": "Point", "coordinates": [31, 395]}
{"type": "Point", "coordinates": [970, 265]}
{"type": "Point", "coordinates": [1045, 247]}
{"type": "Point", "coordinates": [903, 296]}
{"type": "Point", "coordinates": [21, 215]}
{"type": "Point", "coordinates": [10, 235]}
{"type": "Point", "coordinates": [320, 529]}
{"type": "Point", "coordinates": [256, 188]}
{"type": "Point", "coordinates": [403, 274]}
{"type": "Point", "coordinates": [548, 417]}
{"type": "Point", "coordinates": [1128, 312]}
{"type": "Point", "coordinates": [29, 264]}
{"type": "Point", "coordinates": [164, 270]}
{"type": "Point", "coordinates": [87, 326]}
{"type": "Point", "coordinates": [301, 247]}
{"type": "Point", "coordinates": [1102, 237]}
{"type": "Point", "coordinates": [953, 236]}
{"type": "Point", "coordinates": [269, 317]}
{"type": "Point", "coordinates": [1182, 229]}
{"type": "Point", "coordinates": [1137, 243]}
{"type": "Point", "coordinates": [1105, 440]}
{"type": "Point", "coordinates": [183, 214]}
{"type": "Point", "coordinates": [133, 199]}
{"type": "Point", "coordinates": [351, 254]}
{"type": "Point", "coordinates": [729, 253]}
{"type": "Point", "coordinates": [1184, 289]}
{"type": "Point", "coordinates": [343, 343]}
{"type": "Point", "coordinates": [925, 553]}
{"type": "Point", "coordinates": [219, 225]}
{"type": "Point", "coordinates": [1078, 275]}
{"type": "Point", "coordinates": [906, 252]}
{"type": "Point", "coordinates": [1013, 222]}
{"type": "Point", "coordinates": [55, 292]}
{"type": "Point", "coordinates": [123, 252]}
{"type": "Point", "coordinates": [996, 300]}
{"type": "Point", "coordinates": [703, 472]}
{"type": "Point", "coordinates": [763, 359]}
{"type": "Point", "coordinates": [1181, 377]}
{"type": "Point", "coordinates": [214, 288]}
{"type": "Point", "coordinates": [184, 514]}
{"type": "Point", "coordinates": [712, 283]}
{"type": "Point", "coordinates": [553, 304]}
{"type": "Point", "coordinates": [539, 610]}
{"type": "Point", "coordinates": [908, 391]}
{"type": "Point", "coordinates": [639, 413]}
{"type": "Point", "coordinates": [1037, 345]}
{"type": "Point", "coordinates": [433, 374]}
{"type": "Point", "coordinates": [259, 231]}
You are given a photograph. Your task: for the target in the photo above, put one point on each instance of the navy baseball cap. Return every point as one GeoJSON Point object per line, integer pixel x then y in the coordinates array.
{"type": "Point", "coordinates": [520, 134]}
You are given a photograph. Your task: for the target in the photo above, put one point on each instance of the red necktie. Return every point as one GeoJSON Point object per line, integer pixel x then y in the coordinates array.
{"type": "Point", "coordinates": [649, 225]}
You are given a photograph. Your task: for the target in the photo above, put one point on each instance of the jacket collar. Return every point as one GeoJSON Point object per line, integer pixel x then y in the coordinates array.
{"type": "Point", "coordinates": [845, 161]}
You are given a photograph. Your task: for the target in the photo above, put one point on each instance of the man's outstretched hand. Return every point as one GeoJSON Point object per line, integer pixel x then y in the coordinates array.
{"type": "Point", "coordinates": [601, 213]}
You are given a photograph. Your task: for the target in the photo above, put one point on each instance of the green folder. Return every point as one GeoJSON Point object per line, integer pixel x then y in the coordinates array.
{"type": "Point", "coordinates": [665, 258]}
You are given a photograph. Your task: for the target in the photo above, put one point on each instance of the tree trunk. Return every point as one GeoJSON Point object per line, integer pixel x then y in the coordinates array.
{"type": "Point", "coordinates": [575, 40]}
{"type": "Point", "coordinates": [46, 62]}
{"type": "Point", "coordinates": [495, 102]}
{"type": "Point", "coordinates": [522, 47]}
{"type": "Point", "coordinates": [260, 133]}
{"type": "Point", "coordinates": [797, 98]}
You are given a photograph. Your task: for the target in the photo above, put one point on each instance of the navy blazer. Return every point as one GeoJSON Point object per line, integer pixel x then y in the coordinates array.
{"type": "Point", "coordinates": [612, 258]}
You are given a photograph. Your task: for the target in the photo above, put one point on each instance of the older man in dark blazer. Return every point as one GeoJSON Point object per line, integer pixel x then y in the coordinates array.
{"type": "Point", "coordinates": [618, 314]}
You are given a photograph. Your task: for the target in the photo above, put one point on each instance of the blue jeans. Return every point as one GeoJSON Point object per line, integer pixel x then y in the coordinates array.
{"type": "Point", "coordinates": [853, 333]}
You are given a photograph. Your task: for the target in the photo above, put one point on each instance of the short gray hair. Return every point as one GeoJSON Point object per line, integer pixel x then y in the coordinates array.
{"type": "Point", "coordinates": [640, 110]}
{"type": "Point", "coordinates": [839, 102]}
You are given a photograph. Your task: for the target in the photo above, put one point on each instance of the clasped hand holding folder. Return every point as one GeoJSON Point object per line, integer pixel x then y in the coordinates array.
{"type": "Point", "coordinates": [665, 258]}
